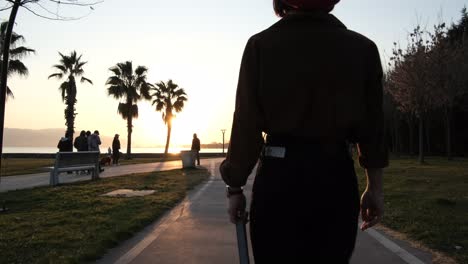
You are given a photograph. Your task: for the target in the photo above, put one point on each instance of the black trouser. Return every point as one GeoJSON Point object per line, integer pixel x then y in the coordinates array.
{"type": "Point", "coordinates": [197, 156]}
{"type": "Point", "coordinates": [115, 157]}
{"type": "Point", "coordinates": [305, 206]}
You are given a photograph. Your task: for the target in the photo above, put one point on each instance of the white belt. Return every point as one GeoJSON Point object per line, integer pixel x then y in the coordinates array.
{"type": "Point", "coordinates": [275, 152]}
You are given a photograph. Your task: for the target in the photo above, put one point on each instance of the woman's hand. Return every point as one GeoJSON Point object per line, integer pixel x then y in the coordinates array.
{"type": "Point", "coordinates": [236, 211]}
{"type": "Point", "coordinates": [372, 208]}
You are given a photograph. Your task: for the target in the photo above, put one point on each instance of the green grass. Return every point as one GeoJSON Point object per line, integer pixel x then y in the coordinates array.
{"type": "Point", "coordinates": [428, 203]}
{"type": "Point", "coordinates": [17, 166]}
{"type": "Point", "coordinates": [73, 223]}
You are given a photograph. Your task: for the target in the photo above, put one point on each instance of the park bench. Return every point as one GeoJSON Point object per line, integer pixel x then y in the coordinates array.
{"type": "Point", "coordinates": [75, 161]}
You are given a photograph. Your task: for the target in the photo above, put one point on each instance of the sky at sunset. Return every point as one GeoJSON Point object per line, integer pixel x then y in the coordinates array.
{"type": "Point", "coordinates": [197, 44]}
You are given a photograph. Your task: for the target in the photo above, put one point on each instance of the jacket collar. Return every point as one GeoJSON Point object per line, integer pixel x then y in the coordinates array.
{"type": "Point", "coordinates": [315, 17]}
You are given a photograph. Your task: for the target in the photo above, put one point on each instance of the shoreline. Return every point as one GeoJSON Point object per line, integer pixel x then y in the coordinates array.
{"type": "Point", "coordinates": [134, 155]}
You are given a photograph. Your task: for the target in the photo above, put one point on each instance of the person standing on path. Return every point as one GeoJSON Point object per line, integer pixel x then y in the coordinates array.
{"type": "Point", "coordinates": [196, 147]}
{"type": "Point", "coordinates": [310, 85]}
{"type": "Point", "coordinates": [88, 140]}
{"type": "Point", "coordinates": [94, 141]}
{"type": "Point", "coordinates": [115, 150]}
{"type": "Point", "coordinates": [93, 144]}
{"type": "Point", "coordinates": [81, 142]}
{"type": "Point", "coordinates": [65, 144]}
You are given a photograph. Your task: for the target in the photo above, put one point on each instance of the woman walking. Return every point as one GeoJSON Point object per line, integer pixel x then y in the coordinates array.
{"type": "Point", "coordinates": [310, 85]}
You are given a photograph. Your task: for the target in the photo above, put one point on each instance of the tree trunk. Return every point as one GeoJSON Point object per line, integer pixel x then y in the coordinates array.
{"type": "Point", "coordinates": [411, 137]}
{"type": "Point", "coordinates": [70, 111]}
{"type": "Point", "coordinates": [428, 137]}
{"type": "Point", "coordinates": [448, 134]}
{"type": "Point", "coordinates": [168, 139]}
{"type": "Point", "coordinates": [390, 129]}
{"type": "Point", "coordinates": [129, 135]}
{"type": "Point", "coordinates": [397, 136]}
{"type": "Point", "coordinates": [69, 118]}
{"type": "Point", "coordinates": [421, 140]}
{"type": "Point", "coordinates": [4, 73]}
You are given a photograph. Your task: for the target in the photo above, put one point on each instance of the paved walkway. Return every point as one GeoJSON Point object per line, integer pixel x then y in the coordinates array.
{"type": "Point", "coordinates": [198, 231]}
{"type": "Point", "coordinates": [42, 179]}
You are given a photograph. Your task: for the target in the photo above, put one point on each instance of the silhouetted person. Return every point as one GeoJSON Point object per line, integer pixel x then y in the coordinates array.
{"type": "Point", "coordinates": [93, 144]}
{"type": "Point", "coordinates": [65, 144]}
{"type": "Point", "coordinates": [94, 141]}
{"type": "Point", "coordinates": [116, 150]}
{"type": "Point", "coordinates": [309, 84]}
{"type": "Point", "coordinates": [88, 139]}
{"type": "Point", "coordinates": [81, 142]}
{"type": "Point", "coordinates": [86, 143]}
{"type": "Point", "coordinates": [196, 147]}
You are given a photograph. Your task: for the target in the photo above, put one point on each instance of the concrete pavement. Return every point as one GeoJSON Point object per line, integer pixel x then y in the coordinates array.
{"type": "Point", "coordinates": [198, 231]}
{"type": "Point", "coordinates": [42, 179]}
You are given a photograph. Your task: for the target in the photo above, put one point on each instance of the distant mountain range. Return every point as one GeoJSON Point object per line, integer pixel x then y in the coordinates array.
{"type": "Point", "coordinates": [16, 137]}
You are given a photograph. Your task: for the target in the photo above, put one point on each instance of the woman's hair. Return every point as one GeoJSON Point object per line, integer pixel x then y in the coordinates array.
{"type": "Point", "coordinates": [280, 8]}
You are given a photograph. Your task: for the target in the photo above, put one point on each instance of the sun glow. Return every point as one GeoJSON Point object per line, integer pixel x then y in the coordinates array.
{"type": "Point", "coordinates": [196, 117]}
{"type": "Point", "coordinates": [152, 131]}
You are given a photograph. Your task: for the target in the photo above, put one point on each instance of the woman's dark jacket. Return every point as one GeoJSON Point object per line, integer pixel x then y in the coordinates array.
{"type": "Point", "coordinates": [307, 76]}
{"type": "Point", "coordinates": [81, 143]}
{"type": "Point", "coordinates": [65, 145]}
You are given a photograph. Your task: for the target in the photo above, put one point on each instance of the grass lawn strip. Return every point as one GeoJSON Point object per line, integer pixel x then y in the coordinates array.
{"type": "Point", "coordinates": [73, 223]}
{"type": "Point", "coordinates": [428, 203]}
{"type": "Point", "coordinates": [18, 166]}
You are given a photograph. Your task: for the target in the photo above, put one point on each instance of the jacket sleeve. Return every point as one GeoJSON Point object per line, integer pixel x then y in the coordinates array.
{"type": "Point", "coordinates": [372, 149]}
{"type": "Point", "coordinates": [246, 134]}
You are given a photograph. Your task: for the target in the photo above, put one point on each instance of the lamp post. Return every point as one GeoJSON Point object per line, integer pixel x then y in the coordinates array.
{"type": "Point", "coordinates": [223, 131]}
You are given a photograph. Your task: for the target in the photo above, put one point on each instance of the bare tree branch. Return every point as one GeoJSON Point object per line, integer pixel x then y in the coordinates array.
{"type": "Point", "coordinates": [51, 18]}
{"type": "Point", "coordinates": [6, 8]}
{"type": "Point", "coordinates": [70, 2]}
{"type": "Point", "coordinates": [28, 1]}
{"type": "Point", "coordinates": [54, 15]}
{"type": "Point", "coordinates": [50, 12]}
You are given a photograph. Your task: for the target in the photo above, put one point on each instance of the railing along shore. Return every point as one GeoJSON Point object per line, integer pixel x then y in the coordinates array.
{"type": "Point", "coordinates": [134, 155]}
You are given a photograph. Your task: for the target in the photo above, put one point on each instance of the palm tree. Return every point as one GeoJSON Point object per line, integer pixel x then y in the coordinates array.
{"type": "Point", "coordinates": [130, 87]}
{"type": "Point", "coordinates": [71, 67]}
{"type": "Point", "coordinates": [168, 97]}
{"type": "Point", "coordinates": [16, 53]}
